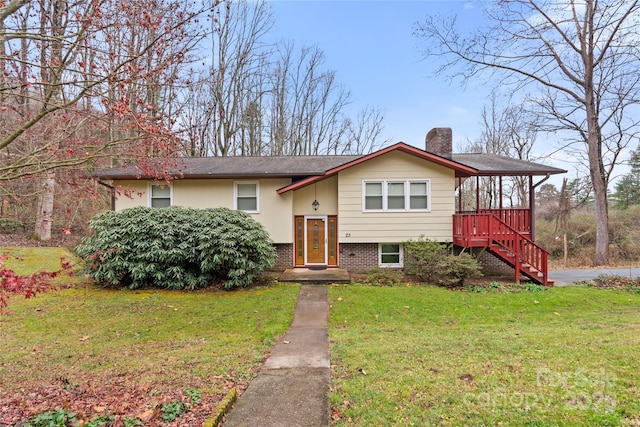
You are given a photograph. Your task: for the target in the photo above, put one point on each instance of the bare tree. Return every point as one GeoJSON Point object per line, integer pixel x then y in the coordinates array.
{"type": "Point", "coordinates": [307, 104]}
{"type": "Point", "coordinates": [581, 56]}
{"type": "Point", "coordinates": [364, 135]}
{"type": "Point", "coordinates": [507, 130]}
{"type": "Point", "coordinates": [261, 99]}
{"type": "Point", "coordinates": [222, 105]}
{"type": "Point", "coordinates": [237, 70]}
{"type": "Point", "coordinates": [80, 85]}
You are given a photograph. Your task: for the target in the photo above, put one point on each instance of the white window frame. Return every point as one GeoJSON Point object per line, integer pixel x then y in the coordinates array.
{"type": "Point", "coordinates": [235, 195]}
{"type": "Point", "coordinates": [150, 194]}
{"type": "Point", "coordinates": [399, 264]}
{"type": "Point", "coordinates": [385, 194]}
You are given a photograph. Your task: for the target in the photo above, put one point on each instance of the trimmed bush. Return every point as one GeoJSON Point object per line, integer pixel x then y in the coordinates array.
{"type": "Point", "coordinates": [435, 263]}
{"type": "Point", "coordinates": [176, 248]}
{"type": "Point", "coordinates": [383, 276]}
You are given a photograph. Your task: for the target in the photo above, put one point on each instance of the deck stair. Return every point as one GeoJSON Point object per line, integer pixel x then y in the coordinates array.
{"type": "Point", "coordinates": [513, 247]}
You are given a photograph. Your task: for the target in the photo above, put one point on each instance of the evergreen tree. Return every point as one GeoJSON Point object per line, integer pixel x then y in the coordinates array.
{"type": "Point", "coordinates": [628, 188]}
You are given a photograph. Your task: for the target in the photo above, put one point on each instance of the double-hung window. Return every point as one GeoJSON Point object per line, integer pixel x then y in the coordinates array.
{"type": "Point", "coordinates": [246, 197]}
{"type": "Point", "coordinates": [159, 196]}
{"type": "Point", "coordinates": [390, 255]}
{"type": "Point", "coordinates": [419, 195]}
{"type": "Point", "coordinates": [396, 195]}
{"type": "Point", "coordinates": [373, 196]}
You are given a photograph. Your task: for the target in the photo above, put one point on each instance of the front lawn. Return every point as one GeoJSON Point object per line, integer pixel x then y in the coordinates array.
{"type": "Point", "coordinates": [429, 356]}
{"type": "Point", "coordinates": [126, 353]}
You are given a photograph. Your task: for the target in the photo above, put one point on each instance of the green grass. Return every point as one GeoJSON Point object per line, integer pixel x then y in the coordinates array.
{"type": "Point", "coordinates": [187, 339]}
{"type": "Point", "coordinates": [31, 260]}
{"type": "Point", "coordinates": [429, 356]}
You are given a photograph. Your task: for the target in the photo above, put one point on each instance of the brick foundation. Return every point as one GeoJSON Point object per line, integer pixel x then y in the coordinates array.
{"type": "Point", "coordinates": [358, 256]}
{"type": "Point", "coordinates": [284, 256]}
{"type": "Point", "coordinates": [491, 264]}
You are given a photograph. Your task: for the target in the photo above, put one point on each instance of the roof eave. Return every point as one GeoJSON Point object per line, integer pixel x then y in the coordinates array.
{"type": "Point", "coordinates": [519, 173]}
{"type": "Point", "coordinates": [206, 176]}
{"type": "Point", "coordinates": [400, 146]}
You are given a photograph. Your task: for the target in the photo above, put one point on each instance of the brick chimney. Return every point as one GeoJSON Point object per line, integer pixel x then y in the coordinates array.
{"type": "Point", "coordinates": [439, 142]}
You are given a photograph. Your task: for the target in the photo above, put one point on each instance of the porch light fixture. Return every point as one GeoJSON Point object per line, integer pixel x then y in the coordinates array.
{"type": "Point", "coordinates": [315, 205]}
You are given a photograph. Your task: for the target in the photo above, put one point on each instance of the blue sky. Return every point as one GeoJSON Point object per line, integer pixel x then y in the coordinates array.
{"type": "Point", "coordinates": [371, 47]}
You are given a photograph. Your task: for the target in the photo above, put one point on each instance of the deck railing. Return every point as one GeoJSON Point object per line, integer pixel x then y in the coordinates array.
{"type": "Point", "coordinates": [488, 229]}
{"type": "Point", "coordinates": [518, 219]}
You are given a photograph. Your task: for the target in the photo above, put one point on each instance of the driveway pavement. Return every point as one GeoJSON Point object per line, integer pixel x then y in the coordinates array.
{"type": "Point", "coordinates": [568, 277]}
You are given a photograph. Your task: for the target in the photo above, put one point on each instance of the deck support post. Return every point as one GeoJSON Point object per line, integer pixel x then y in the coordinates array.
{"type": "Point", "coordinates": [500, 185]}
{"type": "Point", "coordinates": [532, 208]}
{"type": "Point", "coordinates": [477, 193]}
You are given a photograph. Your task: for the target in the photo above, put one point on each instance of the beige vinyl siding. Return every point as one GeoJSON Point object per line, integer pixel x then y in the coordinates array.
{"type": "Point", "coordinates": [203, 193]}
{"type": "Point", "coordinates": [357, 226]}
{"type": "Point", "coordinates": [275, 211]}
{"type": "Point", "coordinates": [131, 194]}
{"type": "Point", "coordinates": [325, 192]}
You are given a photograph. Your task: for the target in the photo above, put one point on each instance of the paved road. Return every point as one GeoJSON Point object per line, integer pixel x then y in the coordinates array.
{"type": "Point", "coordinates": [567, 277]}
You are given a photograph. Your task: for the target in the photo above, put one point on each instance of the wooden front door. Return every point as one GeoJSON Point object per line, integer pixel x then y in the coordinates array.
{"type": "Point", "coordinates": [316, 248]}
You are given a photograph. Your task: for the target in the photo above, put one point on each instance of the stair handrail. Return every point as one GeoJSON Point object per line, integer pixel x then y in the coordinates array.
{"type": "Point", "coordinates": [536, 257]}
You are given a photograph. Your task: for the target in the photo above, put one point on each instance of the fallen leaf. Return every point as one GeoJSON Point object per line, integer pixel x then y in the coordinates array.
{"type": "Point", "coordinates": [536, 302]}
{"type": "Point", "coordinates": [287, 342]}
{"type": "Point", "coordinates": [466, 377]}
{"type": "Point", "coordinates": [339, 298]}
{"type": "Point", "coordinates": [84, 338]}
{"type": "Point", "coordinates": [145, 416]}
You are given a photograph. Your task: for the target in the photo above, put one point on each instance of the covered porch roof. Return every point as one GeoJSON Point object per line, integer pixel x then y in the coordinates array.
{"type": "Point", "coordinates": [494, 165]}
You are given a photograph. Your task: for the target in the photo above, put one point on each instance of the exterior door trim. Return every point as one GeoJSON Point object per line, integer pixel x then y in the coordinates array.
{"type": "Point", "coordinates": [323, 218]}
{"type": "Point", "coordinates": [301, 233]}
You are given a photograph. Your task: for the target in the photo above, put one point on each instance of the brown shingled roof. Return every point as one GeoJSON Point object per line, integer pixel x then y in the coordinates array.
{"type": "Point", "coordinates": [234, 167]}
{"type": "Point", "coordinates": [492, 165]}
{"type": "Point", "coordinates": [318, 166]}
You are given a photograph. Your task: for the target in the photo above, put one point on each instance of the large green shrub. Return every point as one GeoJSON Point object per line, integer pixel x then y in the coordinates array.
{"type": "Point", "coordinates": [435, 263]}
{"type": "Point", "coordinates": [176, 248]}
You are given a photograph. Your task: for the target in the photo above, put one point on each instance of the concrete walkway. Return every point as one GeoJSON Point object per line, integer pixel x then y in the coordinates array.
{"type": "Point", "coordinates": [291, 388]}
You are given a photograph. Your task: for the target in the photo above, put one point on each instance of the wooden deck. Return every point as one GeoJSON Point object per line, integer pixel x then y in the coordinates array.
{"type": "Point", "coordinates": [506, 233]}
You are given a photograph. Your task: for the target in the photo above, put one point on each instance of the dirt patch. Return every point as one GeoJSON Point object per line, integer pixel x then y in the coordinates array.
{"type": "Point", "coordinates": [616, 282]}
{"type": "Point", "coordinates": [24, 239]}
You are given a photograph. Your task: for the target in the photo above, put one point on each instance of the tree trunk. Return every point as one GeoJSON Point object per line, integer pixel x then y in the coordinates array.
{"type": "Point", "coordinates": [597, 172]}
{"type": "Point", "coordinates": [600, 198]}
{"type": "Point", "coordinates": [44, 213]}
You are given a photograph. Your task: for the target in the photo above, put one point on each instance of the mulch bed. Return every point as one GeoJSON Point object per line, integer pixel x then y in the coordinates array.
{"type": "Point", "coordinates": [118, 398]}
